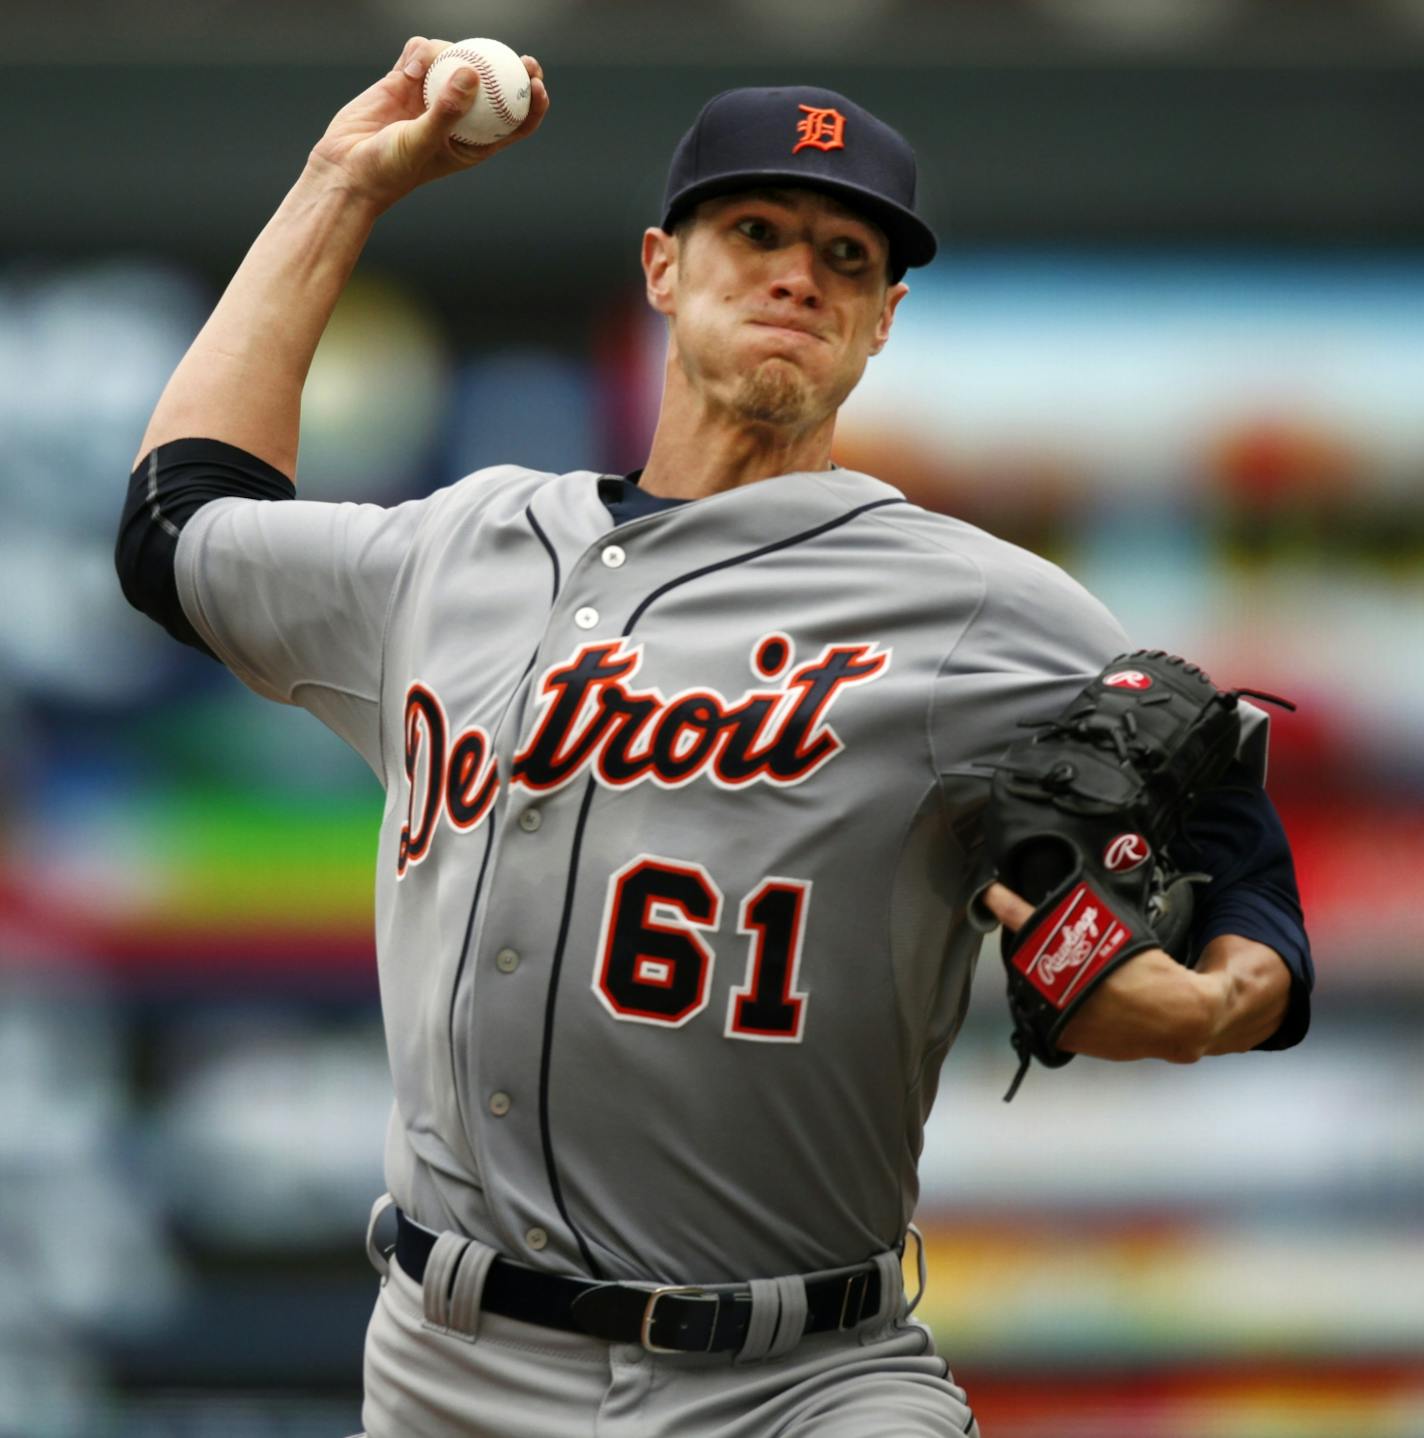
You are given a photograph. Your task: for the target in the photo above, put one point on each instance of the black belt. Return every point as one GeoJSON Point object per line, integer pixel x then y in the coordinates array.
{"type": "Point", "coordinates": [670, 1319]}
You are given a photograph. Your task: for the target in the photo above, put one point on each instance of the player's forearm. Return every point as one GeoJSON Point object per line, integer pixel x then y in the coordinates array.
{"type": "Point", "coordinates": [1150, 1008]}
{"type": "Point", "coordinates": [1153, 1007]}
{"type": "Point", "coordinates": [1254, 993]}
{"type": "Point", "coordinates": [241, 380]}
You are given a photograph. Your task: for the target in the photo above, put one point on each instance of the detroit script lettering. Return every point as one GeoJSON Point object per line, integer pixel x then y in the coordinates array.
{"type": "Point", "coordinates": [593, 719]}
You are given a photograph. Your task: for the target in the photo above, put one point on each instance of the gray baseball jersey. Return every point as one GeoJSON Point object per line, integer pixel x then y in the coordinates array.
{"type": "Point", "coordinates": [673, 870]}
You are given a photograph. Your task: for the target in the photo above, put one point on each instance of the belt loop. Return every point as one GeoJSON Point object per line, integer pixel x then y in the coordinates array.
{"type": "Point", "coordinates": [761, 1327]}
{"type": "Point", "coordinates": [778, 1320]}
{"type": "Point", "coordinates": [441, 1269]}
{"type": "Point", "coordinates": [467, 1293]}
{"type": "Point", "coordinates": [454, 1284]}
{"type": "Point", "coordinates": [791, 1320]}
{"type": "Point", "coordinates": [892, 1287]}
{"type": "Point", "coordinates": [380, 1258]}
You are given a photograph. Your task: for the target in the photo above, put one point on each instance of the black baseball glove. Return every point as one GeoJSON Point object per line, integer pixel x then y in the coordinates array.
{"type": "Point", "coordinates": [1081, 821]}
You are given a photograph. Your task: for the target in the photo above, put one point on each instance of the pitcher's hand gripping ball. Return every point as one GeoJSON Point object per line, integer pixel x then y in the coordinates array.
{"type": "Point", "coordinates": [1080, 821]}
{"type": "Point", "coordinates": [501, 102]}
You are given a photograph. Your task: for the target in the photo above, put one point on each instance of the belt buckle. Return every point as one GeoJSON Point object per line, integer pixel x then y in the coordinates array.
{"type": "Point", "coordinates": [645, 1332]}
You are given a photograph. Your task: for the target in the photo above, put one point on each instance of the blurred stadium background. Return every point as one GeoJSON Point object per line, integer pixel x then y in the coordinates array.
{"type": "Point", "coordinates": [1175, 341]}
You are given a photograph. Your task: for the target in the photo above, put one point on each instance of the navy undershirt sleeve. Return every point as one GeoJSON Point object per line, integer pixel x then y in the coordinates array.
{"type": "Point", "coordinates": [169, 486]}
{"type": "Point", "coordinates": [1235, 835]}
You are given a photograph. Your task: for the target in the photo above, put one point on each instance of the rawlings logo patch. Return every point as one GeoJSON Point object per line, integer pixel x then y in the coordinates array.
{"type": "Point", "coordinates": [1128, 679]}
{"type": "Point", "coordinates": [1126, 853]}
{"type": "Point", "coordinates": [1077, 939]}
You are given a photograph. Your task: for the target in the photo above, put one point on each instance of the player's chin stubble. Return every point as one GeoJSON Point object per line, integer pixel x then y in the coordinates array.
{"type": "Point", "coordinates": [773, 393]}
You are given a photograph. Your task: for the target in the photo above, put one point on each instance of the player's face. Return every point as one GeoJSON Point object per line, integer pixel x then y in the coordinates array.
{"type": "Point", "coordinates": [776, 298]}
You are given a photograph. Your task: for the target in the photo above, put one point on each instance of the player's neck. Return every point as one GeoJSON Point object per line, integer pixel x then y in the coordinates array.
{"type": "Point", "coordinates": [700, 449]}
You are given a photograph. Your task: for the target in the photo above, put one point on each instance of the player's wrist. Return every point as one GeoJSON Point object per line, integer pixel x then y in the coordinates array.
{"type": "Point", "coordinates": [326, 181]}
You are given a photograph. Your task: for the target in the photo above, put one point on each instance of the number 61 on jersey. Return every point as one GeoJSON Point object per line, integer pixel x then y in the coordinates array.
{"type": "Point", "coordinates": [655, 964]}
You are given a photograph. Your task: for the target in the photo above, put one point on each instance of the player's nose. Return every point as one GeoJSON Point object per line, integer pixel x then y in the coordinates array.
{"type": "Point", "coordinates": [794, 277]}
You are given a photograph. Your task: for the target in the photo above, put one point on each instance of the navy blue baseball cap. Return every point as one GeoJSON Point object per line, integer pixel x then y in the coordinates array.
{"type": "Point", "coordinates": [800, 135]}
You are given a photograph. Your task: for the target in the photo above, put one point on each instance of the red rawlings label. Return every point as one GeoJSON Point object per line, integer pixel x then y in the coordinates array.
{"type": "Point", "coordinates": [1072, 944]}
{"type": "Point", "coordinates": [1126, 853]}
{"type": "Point", "coordinates": [1128, 679]}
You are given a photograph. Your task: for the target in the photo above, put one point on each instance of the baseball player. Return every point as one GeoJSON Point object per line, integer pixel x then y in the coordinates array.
{"type": "Point", "coordinates": [682, 771]}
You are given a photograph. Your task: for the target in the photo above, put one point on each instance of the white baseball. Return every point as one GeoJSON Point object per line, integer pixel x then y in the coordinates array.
{"type": "Point", "coordinates": [501, 102]}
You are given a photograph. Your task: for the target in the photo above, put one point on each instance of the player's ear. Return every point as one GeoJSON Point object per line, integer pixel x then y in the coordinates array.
{"type": "Point", "coordinates": [660, 268]}
{"type": "Point", "coordinates": [893, 295]}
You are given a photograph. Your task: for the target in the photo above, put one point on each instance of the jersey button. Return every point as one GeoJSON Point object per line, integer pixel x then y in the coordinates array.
{"type": "Point", "coordinates": [536, 1238]}
{"type": "Point", "coordinates": [586, 617]}
{"type": "Point", "coordinates": [506, 961]}
{"type": "Point", "coordinates": [530, 820]}
{"type": "Point", "coordinates": [613, 557]}
{"type": "Point", "coordinates": [499, 1104]}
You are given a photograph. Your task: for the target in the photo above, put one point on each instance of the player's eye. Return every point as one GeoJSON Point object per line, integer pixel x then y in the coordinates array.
{"type": "Point", "coordinates": [758, 231]}
{"type": "Point", "coordinates": [846, 251]}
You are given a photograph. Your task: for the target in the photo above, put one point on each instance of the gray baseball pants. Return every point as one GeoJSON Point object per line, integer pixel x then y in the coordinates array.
{"type": "Point", "coordinates": [436, 1367]}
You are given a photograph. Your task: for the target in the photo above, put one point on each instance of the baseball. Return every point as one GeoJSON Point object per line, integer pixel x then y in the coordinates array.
{"type": "Point", "coordinates": [501, 102]}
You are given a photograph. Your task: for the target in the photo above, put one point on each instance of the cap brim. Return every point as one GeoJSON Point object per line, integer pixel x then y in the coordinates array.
{"type": "Point", "coordinates": [912, 242]}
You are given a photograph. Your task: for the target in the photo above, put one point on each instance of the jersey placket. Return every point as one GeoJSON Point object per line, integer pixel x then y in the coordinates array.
{"type": "Point", "coordinates": [521, 932]}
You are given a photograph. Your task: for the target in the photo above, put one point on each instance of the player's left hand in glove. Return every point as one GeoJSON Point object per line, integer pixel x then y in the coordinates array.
{"type": "Point", "coordinates": [1081, 819]}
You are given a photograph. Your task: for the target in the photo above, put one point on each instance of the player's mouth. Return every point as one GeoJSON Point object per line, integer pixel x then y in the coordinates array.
{"type": "Point", "coordinates": [796, 332]}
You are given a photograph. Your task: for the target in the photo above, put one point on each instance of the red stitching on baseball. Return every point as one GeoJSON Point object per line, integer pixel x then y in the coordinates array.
{"type": "Point", "coordinates": [488, 82]}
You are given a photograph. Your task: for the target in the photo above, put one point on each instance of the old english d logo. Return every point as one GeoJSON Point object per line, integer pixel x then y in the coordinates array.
{"type": "Point", "coordinates": [819, 130]}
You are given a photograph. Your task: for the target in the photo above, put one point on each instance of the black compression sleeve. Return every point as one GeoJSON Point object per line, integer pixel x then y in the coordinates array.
{"type": "Point", "coordinates": [170, 485]}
